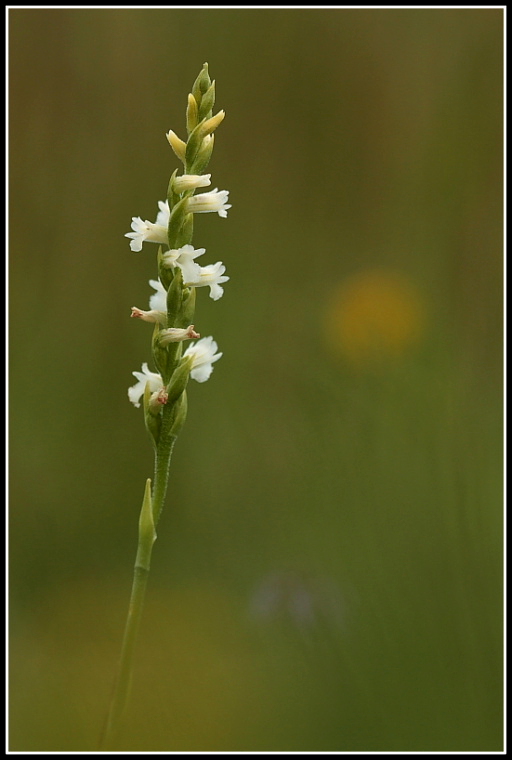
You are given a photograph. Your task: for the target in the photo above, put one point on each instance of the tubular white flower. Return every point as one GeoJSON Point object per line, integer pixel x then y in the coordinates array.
{"type": "Point", "coordinates": [148, 231]}
{"type": "Point", "coordinates": [157, 304]}
{"type": "Point", "coordinates": [184, 257]}
{"type": "Point", "coordinates": [175, 334]}
{"type": "Point", "coordinates": [202, 355]}
{"type": "Point", "coordinates": [215, 200]}
{"type": "Point", "coordinates": [190, 182]}
{"type": "Point", "coordinates": [212, 275]}
{"type": "Point", "coordinates": [148, 316]}
{"type": "Point", "coordinates": [137, 391]}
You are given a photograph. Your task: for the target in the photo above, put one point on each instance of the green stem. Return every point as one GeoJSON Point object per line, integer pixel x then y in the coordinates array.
{"type": "Point", "coordinates": [162, 463]}
{"type": "Point", "coordinates": [124, 677]}
{"type": "Point", "coordinates": [150, 515]}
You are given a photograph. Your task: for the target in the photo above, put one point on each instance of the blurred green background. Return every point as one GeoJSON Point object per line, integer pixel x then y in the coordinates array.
{"type": "Point", "coordinates": [328, 571]}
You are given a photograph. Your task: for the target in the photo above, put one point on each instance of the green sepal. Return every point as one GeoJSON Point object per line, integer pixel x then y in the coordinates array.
{"type": "Point", "coordinates": [152, 418]}
{"type": "Point", "coordinates": [186, 231]}
{"type": "Point", "coordinates": [188, 308]}
{"type": "Point", "coordinates": [179, 414]}
{"type": "Point", "coordinates": [174, 352]}
{"type": "Point", "coordinates": [174, 298]}
{"type": "Point", "coordinates": [202, 84]}
{"type": "Point", "coordinates": [178, 215]}
{"type": "Point", "coordinates": [159, 352]}
{"type": "Point", "coordinates": [179, 380]}
{"type": "Point", "coordinates": [207, 102]}
{"type": "Point", "coordinates": [147, 533]}
{"type": "Point", "coordinates": [196, 140]}
{"type": "Point", "coordinates": [202, 159]}
{"type": "Point", "coordinates": [166, 357]}
{"type": "Point", "coordinates": [165, 274]}
{"type": "Point", "coordinates": [172, 197]}
{"type": "Point", "coordinates": [204, 79]}
{"type": "Point", "coordinates": [194, 143]}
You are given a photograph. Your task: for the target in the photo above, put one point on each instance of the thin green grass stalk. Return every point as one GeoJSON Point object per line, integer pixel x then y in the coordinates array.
{"type": "Point", "coordinates": [171, 311]}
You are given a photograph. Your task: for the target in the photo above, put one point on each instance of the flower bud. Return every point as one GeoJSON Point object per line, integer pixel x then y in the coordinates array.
{"type": "Point", "coordinates": [186, 232]}
{"type": "Point", "coordinates": [210, 125]}
{"type": "Point", "coordinates": [176, 220]}
{"type": "Point", "coordinates": [203, 129]}
{"type": "Point", "coordinates": [179, 379]}
{"type": "Point", "coordinates": [160, 355]}
{"type": "Point", "coordinates": [192, 113]}
{"type": "Point", "coordinates": [178, 146]}
{"type": "Point", "coordinates": [147, 533]}
{"type": "Point", "coordinates": [152, 416]}
{"type": "Point", "coordinates": [189, 182]}
{"type": "Point", "coordinates": [174, 298]}
{"type": "Point", "coordinates": [207, 102]}
{"type": "Point", "coordinates": [202, 83]}
{"type": "Point", "coordinates": [172, 196]}
{"type": "Point", "coordinates": [165, 275]}
{"type": "Point", "coordinates": [203, 156]}
{"type": "Point", "coordinates": [189, 306]}
{"type": "Point", "coordinates": [194, 143]}
{"type": "Point", "coordinates": [180, 414]}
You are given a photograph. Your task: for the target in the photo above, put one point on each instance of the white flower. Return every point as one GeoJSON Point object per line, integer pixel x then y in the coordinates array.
{"type": "Point", "coordinates": [184, 257]}
{"type": "Point", "coordinates": [157, 303]}
{"type": "Point", "coordinates": [211, 275]}
{"type": "Point", "coordinates": [137, 391]}
{"type": "Point", "coordinates": [203, 355]}
{"type": "Point", "coordinates": [190, 182]}
{"type": "Point", "coordinates": [148, 231]}
{"type": "Point", "coordinates": [215, 200]}
{"type": "Point", "coordinates": [175, 334]}
{"type": "Point", "coordinates": [148, 316]}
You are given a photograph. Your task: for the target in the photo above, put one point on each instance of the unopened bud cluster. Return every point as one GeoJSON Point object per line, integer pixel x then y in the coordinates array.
{"type": "Point", "coordinates": [172, 305]}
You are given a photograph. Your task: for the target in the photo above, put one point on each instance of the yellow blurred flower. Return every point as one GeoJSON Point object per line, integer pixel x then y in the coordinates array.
{"type": "Point", "coordinates": [373, 315]}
